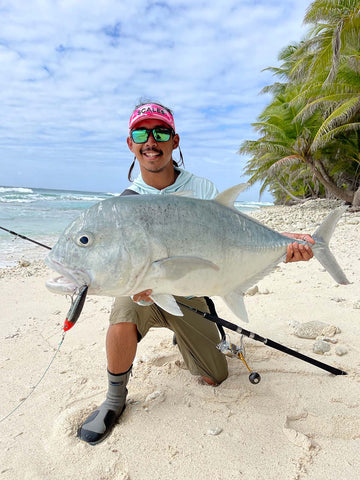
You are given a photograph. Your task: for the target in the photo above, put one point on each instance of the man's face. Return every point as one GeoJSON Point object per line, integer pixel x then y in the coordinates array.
{"type": "Point", "coordinates": [153, 156]}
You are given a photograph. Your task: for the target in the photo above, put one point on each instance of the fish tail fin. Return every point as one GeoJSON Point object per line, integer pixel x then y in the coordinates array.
{"type": "Point", "coordinates": [321, 248]}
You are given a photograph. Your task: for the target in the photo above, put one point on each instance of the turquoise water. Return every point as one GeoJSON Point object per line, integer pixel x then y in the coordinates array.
{"type": "Point", "coordinates": [43, 214]}
{"type": "Point", "coordinates": [38, 213]}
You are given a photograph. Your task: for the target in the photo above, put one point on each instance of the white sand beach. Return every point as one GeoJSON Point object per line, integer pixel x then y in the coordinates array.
{"type": "Point", "coordinates": [299, 422]}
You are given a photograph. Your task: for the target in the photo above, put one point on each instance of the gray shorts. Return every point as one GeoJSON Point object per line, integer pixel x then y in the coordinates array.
{"type": "Point", "coordinates": [196, 337]}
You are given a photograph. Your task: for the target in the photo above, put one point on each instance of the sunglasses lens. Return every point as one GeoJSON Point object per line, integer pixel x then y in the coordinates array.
{"type": "Point", "coordinates": [162, 134]}
{"type": "Point", "coordinates": [140, 135]}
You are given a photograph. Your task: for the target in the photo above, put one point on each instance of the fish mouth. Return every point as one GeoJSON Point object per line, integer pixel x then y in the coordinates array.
{"type": "Point", "coordinates": [61, 285]}
{"type": "Point", "coordinates": [69, 280]}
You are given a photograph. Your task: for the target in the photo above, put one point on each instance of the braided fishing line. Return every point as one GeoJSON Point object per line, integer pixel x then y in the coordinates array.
{"type": "Point", "coordinates": [58, 348]}
{"type": "Point", "coordinates": [36, 385]}
{"type": "Point", "coordinates": [71, 319]}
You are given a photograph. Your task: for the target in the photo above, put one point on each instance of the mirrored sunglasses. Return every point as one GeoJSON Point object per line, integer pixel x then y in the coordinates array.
{"type": "Point", "coordinates": [160, 134]}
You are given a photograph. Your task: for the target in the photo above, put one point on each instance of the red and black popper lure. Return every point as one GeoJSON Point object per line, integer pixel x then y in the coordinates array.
{"type": "Point", "coordinates": [75, 309]}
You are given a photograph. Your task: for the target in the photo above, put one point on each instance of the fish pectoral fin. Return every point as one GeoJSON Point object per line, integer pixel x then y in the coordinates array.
{"type": "Point", "coordinates": [173, 268]}
{"type": "Point", "coordinates": [167, 303]}
{"type": "Point", "coordinates": [235, 301]}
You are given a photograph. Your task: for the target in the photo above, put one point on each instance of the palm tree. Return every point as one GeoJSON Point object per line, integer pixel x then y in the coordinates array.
{"type": "Point", "coordinates": [285, 142]}
{"type": "Point", "coordinates": [334, 44]}
{"type": "Point", "coordinates": [314, 117]}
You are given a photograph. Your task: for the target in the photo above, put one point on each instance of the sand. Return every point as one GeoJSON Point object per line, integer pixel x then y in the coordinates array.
{"type": "Point", "coordinates": [299, 422]}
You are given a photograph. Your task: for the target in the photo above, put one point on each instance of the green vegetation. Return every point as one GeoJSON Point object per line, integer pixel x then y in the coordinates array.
{"type": "Point", "coordinates": [309, 134]}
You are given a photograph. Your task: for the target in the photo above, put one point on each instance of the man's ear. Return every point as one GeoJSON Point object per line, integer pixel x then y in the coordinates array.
{"type": "Point", "coordinates": [130, 144]}
{"type": "Point", "coordinates": [176, 141]}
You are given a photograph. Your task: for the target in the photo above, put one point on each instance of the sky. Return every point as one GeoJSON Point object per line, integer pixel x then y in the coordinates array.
{"type": "Point", "coordinates": [72, 72]}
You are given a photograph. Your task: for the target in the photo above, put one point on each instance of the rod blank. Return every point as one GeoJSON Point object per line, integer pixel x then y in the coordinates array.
{"type": "Point", "coordinates": [25, 238]}
{"type": "Point", "coordinates": [266, 341]}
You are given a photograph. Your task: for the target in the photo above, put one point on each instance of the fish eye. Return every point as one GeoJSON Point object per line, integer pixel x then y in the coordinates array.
{"type": "Point", "coordinates": [84, 240]}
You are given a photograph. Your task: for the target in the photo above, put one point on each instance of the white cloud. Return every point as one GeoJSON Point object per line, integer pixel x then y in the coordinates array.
{"type": "Point", "coordinates": [73, 70]}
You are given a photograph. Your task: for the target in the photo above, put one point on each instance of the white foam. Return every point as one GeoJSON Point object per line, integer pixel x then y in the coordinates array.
{"type": "Point", "coordinates": [16, 189]}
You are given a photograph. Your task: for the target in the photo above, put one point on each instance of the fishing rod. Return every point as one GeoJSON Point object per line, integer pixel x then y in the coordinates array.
{"type": "Point", "coordinates": [25, 238]}
{"type": "Point", "coordinates": [265, 341]}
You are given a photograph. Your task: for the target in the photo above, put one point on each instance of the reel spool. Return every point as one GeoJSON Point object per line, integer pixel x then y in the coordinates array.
{"type": "Point", "coordinates": [231, 350]}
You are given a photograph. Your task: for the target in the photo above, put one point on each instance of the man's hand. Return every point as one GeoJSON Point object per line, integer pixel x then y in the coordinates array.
{"type": "Point", "coordinates": [143, 298]}
{"type": "Point", "coordinates": [297, 252]}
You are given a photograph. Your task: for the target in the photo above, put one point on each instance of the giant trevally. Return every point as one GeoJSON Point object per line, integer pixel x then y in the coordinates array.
{"type": "Point", "coordinates": [175, 245]}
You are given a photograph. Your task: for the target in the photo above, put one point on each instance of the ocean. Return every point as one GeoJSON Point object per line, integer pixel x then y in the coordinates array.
{"type": "Point", "coordinates": [43, 214]}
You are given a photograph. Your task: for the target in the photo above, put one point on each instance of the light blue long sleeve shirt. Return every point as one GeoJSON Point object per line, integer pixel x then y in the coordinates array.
{"type": "Point", "coordinates": [185, 181]}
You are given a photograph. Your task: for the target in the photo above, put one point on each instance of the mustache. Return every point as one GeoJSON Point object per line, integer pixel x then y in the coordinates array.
{"type": "Point", "coordinates": [151, 149]}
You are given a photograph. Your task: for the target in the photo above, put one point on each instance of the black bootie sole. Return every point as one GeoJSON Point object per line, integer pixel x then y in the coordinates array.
{"type": "Point", "coordinates": [93, 438]}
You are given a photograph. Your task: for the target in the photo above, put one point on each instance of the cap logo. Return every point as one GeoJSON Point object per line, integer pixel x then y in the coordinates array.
{"type": "Point", "coordinates": [151, 111]}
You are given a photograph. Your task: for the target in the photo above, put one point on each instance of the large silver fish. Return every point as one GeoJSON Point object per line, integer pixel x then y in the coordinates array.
{"type": "Point", "coordinates": [175, 245]}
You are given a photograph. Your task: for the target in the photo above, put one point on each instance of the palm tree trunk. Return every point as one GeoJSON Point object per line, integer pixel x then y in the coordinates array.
{"type": "Point", "coordinates": [293, 197]}
{"type": "Point", "coordinates": [356, 199]}
{"type": "Point", "coordinates": [320, 172]}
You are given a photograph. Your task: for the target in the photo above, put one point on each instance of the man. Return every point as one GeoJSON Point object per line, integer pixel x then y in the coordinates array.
{"type": "Point", "coordinates": [152, 139]}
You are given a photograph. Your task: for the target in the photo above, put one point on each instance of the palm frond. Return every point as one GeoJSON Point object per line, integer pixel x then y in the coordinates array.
{"type": "Point", "coordinates": [341, 115]}
{"type": "Point", "coordinates": [326, 136]}
{"type": "Point", "coordinates": [331, 101]}
{"type": "Point", "coordinates": [290, 160]}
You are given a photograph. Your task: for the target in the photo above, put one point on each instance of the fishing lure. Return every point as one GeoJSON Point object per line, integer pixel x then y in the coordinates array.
{"type": "Point", "coordinates": [75, 309]}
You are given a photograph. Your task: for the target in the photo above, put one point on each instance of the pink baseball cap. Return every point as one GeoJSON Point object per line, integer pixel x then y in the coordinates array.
{"type": "Point", "coordinates": [149, 111]}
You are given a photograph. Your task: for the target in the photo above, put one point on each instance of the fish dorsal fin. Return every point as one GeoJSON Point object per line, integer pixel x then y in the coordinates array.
{"type": "Point", "coordinates": [228, 197]}
{"type": "Point", "coordinates": [184, 193]}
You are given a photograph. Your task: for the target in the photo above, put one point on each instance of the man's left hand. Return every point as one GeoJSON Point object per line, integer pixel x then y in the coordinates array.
{"type": "Point", "coordinates": [297, 252]}
{"type": "Point", "coordinates": [143, 298]}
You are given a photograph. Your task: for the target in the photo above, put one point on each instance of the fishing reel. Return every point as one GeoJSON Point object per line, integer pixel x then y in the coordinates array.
{"type": "Point", "coordinates": [234, 351]}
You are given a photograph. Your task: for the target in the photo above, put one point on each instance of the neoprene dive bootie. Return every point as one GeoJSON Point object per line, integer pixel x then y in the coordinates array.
{"type": "Point", "coordinates": [100, 423]}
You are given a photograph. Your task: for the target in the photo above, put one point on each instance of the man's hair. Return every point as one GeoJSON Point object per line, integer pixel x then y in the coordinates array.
{"type": "Point", "coordinates": [146, 101]}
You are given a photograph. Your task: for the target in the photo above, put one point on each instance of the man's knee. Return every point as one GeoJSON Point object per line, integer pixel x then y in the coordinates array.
{"type": "Point", "coordinates": [125, 330]}
{"type": "Point", "coordinates": [222, 376]}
